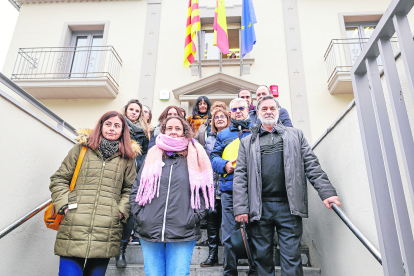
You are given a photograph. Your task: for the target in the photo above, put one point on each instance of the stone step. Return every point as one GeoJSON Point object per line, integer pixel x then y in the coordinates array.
{"type": "Point", "coordinates": [134, 255]}
{"type": "Point", "coordinates": [196, 270]}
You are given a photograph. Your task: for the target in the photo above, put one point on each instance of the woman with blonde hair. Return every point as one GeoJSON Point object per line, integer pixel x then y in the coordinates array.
{"type": "Point", "coordinates": [96, 209]}
{"type": "Point", "coordinates": [205, 128]}
{"type": "Point", "coordinates": [170, 195]}
{"type": "Point", "coordinates": [220, 120]}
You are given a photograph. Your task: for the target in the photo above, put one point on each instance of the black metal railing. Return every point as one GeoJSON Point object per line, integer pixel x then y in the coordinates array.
{"type": "Point", "coordinates": [68, 63]}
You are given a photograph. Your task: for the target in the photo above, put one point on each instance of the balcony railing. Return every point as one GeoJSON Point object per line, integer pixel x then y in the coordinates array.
{"type": "Point", "coordinates": [342, 54]}
{"type": "Point", "coordinates": [68, 63]}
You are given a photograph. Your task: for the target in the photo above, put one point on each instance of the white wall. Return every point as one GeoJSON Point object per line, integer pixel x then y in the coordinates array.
{"type": "Point", "coordinates": [332, 246]}
{"type": "Point", "coordinates": [31, 153]}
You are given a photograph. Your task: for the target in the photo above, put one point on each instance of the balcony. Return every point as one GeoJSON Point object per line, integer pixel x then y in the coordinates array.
{"type": "Point", "coordinates": [339, 58]}
{"type": "Point", "coordinates": [68, 72]}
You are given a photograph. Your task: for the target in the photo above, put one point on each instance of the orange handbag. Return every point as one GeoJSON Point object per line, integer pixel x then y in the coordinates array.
{"type": "Point", "coordinates": [52, 218]}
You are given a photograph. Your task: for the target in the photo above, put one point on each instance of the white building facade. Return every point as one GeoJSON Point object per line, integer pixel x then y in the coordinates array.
{"type": "Point", "coordinates": [83, 58]}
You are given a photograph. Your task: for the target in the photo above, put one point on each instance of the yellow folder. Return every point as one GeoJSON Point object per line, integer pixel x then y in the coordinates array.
{"type": "Point", "coordinates": [231, 152]}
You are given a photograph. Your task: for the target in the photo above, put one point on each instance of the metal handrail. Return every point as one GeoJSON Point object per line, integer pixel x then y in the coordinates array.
{"type": "Point", "coordinates": [32, 100]}
{"type": "Point", "coordinates": [25, 218]}
{"type": "Point", "coordinates": [371, 248]}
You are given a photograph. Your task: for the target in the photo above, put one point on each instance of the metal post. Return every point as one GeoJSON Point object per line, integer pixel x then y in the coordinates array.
{"type": "Point", "coordinates": [392, 170]}
{"type": "Point", "coordinates": [199, 54]}
{"type": "Point", "coordinates": [240, 54]}
{"type": "Point", "coordinates": [399, 110]}
{"type": "Point", "coordinates": [220, 61]}
{"type": "Point", "coordinates": [381, 201]}
{"type": "Point", "coordinates": [405, 39]}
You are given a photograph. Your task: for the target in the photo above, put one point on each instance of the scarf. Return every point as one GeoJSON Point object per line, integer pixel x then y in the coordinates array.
{"type": "Point", "coordinates": [107, 148]}
{"type": "Point", "coordinates": [134, 128]}
{"type": "Point", "coordinates": [252, 107]}
{"type": "Point", "coordinates": [200, 172]}
{"type": "Point", "coordinates": [201, 115]}
{"type": "Point", "coordinates": [241, 125]}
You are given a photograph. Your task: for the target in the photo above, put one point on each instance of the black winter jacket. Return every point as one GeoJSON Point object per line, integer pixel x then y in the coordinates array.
{"type": "Point", "coordinates": [169, 217]}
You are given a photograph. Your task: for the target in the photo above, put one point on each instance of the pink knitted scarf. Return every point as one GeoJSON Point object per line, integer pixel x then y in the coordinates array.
{"type": "Point", "coordinates": [200, 172]}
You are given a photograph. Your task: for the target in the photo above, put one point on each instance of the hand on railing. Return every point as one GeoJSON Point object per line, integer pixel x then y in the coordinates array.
{"type": "Point", "coordinates": [330, 200]}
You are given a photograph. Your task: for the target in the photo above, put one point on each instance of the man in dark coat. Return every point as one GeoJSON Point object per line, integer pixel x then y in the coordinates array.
{"type": "Point", "coordinates": [269, 189]}
{"type": "Point", "coordinates": [262, 91]}
{"type": "Point", "coordinates": [239, 128]}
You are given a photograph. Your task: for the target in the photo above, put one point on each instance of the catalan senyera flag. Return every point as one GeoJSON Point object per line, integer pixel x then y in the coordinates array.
{"type": "Point", "coordinates": [221, 39]}
{"type": "Point", "coordinates": [193, 25]}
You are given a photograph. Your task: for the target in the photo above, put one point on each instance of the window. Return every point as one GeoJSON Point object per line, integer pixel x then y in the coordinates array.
{"type": "Point", "coordinates": [358, 34]}
{"type": "Point", "coordinates": [212, 52]}
{"type": "Point", "coordinates": [85, 53]}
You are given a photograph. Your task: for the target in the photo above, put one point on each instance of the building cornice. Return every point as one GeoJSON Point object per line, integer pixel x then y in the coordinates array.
{"type": "Point", "coordinates": [25, 2]}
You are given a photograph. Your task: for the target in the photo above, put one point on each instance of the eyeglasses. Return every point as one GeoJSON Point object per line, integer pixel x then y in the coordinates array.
{"type": "Point", "coordinates": [221, 117]}
{"type": "Point", "coordinates": [241, 108]}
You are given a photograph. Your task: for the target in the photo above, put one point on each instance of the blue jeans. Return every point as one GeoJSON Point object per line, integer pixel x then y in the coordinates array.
{"type": "Point", "coordinates": [228, 226]}
{"type": "Point", "coordinates": [73, 266]}
{"type": "Point", "coordinates": [167, 259]}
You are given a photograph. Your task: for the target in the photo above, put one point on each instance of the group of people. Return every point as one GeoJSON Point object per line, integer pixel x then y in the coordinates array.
{"type": "Point", "coordinates": [160, 182]}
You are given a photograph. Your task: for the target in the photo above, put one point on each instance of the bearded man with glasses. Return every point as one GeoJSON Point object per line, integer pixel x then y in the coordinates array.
{"type": "Point", "coordinates": [270, 189]}
{"type": "Point", "coordinates": [238, 129]}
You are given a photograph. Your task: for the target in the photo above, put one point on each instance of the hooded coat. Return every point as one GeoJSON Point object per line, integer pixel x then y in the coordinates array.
{"type": "Point", "coordinates": [92, 229]}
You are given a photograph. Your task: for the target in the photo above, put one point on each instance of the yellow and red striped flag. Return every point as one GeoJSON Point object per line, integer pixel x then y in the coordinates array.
{"type": "Point", "coordinates": [220, 28]}
{"type": "Point", "coordinates": [193, 25]}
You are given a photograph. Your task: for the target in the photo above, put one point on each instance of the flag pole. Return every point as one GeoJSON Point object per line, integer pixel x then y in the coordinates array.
{"type": "Point", "coordinates": [240, 54]}
{"type": "Point", "coordinates": [199, 54]}
{"type": "Point", "coordinates": [220, 60]}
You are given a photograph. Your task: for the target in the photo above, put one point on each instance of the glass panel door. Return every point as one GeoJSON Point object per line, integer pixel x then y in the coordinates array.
{"type": "Point", "coordinates": [94, 56]}
{"type": "Point", "coordinates": [85, 54]}
{"type": "Point", "coordinates": [80, 53]}
{"type": "Point", "coordinates": [355, 42]}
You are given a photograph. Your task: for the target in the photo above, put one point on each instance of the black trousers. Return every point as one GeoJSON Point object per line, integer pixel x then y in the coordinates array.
{"type": "Point", "coordinates": [213, 227]}
{"type": "Point", "coordinates": [289, 230]}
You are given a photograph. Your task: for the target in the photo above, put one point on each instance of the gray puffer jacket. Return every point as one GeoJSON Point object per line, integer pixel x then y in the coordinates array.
{"type": "Point", "coordinates": [300, 163]}
{"type": "Point", "coordinates": [169, 217]}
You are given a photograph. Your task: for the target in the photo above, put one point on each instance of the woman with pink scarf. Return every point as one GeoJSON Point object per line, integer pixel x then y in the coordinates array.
{"type": "Point", "coordinates": [171, 194]}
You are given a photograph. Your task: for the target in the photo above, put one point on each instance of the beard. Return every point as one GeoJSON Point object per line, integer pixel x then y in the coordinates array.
{"type": "Point", "coordinates": [269, 120]}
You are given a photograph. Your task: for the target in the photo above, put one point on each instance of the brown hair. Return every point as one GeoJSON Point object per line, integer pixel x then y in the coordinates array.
{"type": "Point", "coordinates": [182, 110]}
{"type": "Point", "coordinates": [218, 104]}
{"type": "Point", "coordinates": [150, 114]}
{"type": "Point", "coordinates": [95, 138]}
{"type": "Point", "coordinates": [141, 119]}
{"type": "Point", "coordinates": [164, 114]}
{"type": "Point", "coordinates": [215, 111]}
{"type": "Point", "coordinates": [187, 133]}
{"type": "Point", "coordinates": [133, 101]}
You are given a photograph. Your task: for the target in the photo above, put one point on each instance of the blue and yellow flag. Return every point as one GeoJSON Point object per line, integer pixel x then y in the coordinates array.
{"type": "Point", "coordinates": [248, 21]}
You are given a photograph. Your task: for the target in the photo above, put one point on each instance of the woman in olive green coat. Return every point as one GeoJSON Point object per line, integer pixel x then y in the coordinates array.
{"type": "Point", "coordinates": [91, 228]}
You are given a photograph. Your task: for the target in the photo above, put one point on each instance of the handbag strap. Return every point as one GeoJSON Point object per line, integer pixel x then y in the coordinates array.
{"type": "Point", "coordinates": [77, 169]}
